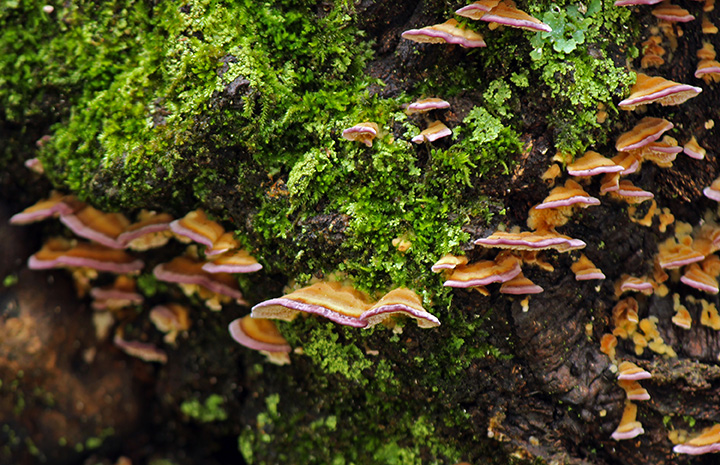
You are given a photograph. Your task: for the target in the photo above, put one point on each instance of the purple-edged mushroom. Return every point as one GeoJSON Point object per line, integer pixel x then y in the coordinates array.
{"type": "Point", "coordinates": [399, 302]}
{"type": "Point", "coordinates": [262, 335]}
{"type": "Point", "coordinates": [362, 132]}
{"type": "Point", "coordinates": [448, 32]}
{"type": "Point", "coordinates": [62, 253]}
{"type": "Point", "coordinates": [436, 130]}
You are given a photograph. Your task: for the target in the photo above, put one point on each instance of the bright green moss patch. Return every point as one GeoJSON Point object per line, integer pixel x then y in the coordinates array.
{"type": "Point", "coordinates": [204, 412]}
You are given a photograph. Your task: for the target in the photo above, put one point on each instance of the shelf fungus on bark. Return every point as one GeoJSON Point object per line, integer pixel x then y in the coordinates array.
{"type": "Point", "coordinates": [57, 204]}
{"type": "Point", "coordinates": [629, 427]}
{"type": "Point", "coordinates": [505, 267]}
{"type": "Point", "coordinates": [656, 89]}
{"type": "Point", "coordinates": [631, 372]}
{"type": "Point", "coordinates": [197, 227]}
{"type": "Point", "coordinates": [504, 13]}
{"type": "Point", "coordinates": [170, 318]}
{"type": "Point", "coordinates": [449, 32]}
{"type": "Point", "coordinates": [698, 278]}
{"type": "Point", "coordinates": [672, 254]}
{"type": "Point", "coordinates": [364, 132]}
{"type": "Point", "coordinates": [426, 105]}
{"type": "Point", "coordinates": [629, 162]}
{"type": "Point", "coordinates": [520, 285]}
{"type": "Point", "coordinates": [631, 283]}
{"type": "Point", "coordinates": [151, 230]}
{"type": "Point", "coordinates": [633, 390]}
{"type": "Point", "coordinates": [188, 273]}
{"type": "Point", "coordinates": [399, 302]}
{"type": "Point", "coordinates": [569, 194]}
{"type": "Point", "coordinates": [648, 129]}
{"type": "Point", "coordinates": [526, 240]}
{"type": "Point", "coordinates": [591, 164]}
{"type": "Point", "coordinates": [584, 269]}
{"type": "Point", "coordinates": [341, 304]}
{"type": "Point", "coordinates": [713, 190]}
{"type": "Point", "coordinates": [706, 442]}
{"type": "Point", "coordinates": [103, 228]}
{"type": "Point", "coordinates": [122, 293]}
{"type": "Point", "coordinates": [694, 150]}
{"type": "Point", "coordinates": [145, 351]}
{"type": "Point", "coordinates": [476, 10]}
{"type": "Point", "coordinates": [235, 261]}
{"type": "Point", "coordinates": [662, 153]}
{"type": "Point", "coordinates": [672, 13]}
{"type": "Point", "coordinates": [636, 2]}
{"type": "Point", "coordinates": [262, 335]}
{"type": "Point", "coordinates": [449, 262]}
{"type": "Point", "coordinates": [62, 253]}
{"type": "Point", "coordinates": [436, 130]}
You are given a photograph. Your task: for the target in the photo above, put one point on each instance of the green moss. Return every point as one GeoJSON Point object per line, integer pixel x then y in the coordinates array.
{"type": "Point", "coordinates": [209, 411]}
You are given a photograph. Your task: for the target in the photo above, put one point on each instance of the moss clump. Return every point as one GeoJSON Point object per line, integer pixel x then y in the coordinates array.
{"type": "Point", "coordinates": [205, 412]}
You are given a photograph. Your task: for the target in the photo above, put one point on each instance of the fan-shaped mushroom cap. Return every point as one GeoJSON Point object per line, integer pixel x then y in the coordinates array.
{"type": "Point", "coordinates": [648, 89]}
{"type": "Point", "coordinates": [592, 163]}
{"type": "Point", "coordinates": [150, 231]}
{"type": "Point", "coordinates": [476, 10]}
{"type": "Point", "coordinates": [713, 191]}
{"type": "Point", "coordinates": [91, 223]}
{"type": "Point", "coordinates": [341, 304]}
{"type": "Point", "coordinates": [682, 318]}
{"type": "Point", "coordinates": [708, 441]}
{"type": "Point", "coordinates": [400, 301]}
{"type": "Point", "coordinates": [631, 283]}
{"type": "Point", "coordinates": [427, 104]}
{"type": "Point", "coordinates": [694, 150]}
{"type": "Point", "coordinates": [235, 261]}
{"type": "Point", "coordinates": [436, 130]}
{"type": "Point", "coordinates": [362, 132]}
{"type": "Point", "coordinates": [122, 293]}
{"type": "Point", "coordinates": [505, 267]}
{"type": "Point", "coordinates": [695, 277]}
{"type": "Point", "coordinates": [222, 244]}
{"type": "Point", "coordinates": [198, 227]}
{"type": "Point", "coordinates": [708, 69]}
{"type": "Point", "coordinates": [185, 270]}
{"type": "Point", "coordinates": [449, 262]}
{"type": "Point", "coordinates": [170, 318]}
{"type": "Point", "coordinates": [630, 193]}
{"type": "Point", "coordinates": [145, 351]}
{"type": "Point", "coordinates": [60, 253]}
{"type": "Point", "coordinates": [636, 2]}
{"type": "Point", "coordinates": [531, 241]}
{"type": "Point", "coordinates": [448, 32]}
{"type": "Point", "coordinates": [56, 204]}
{"type": "Point", "coordinates": [633, 390]}
{"type": "Point", "coordinates": [569, 194]}
{"type": "Point", "coordinates": [647, 130]}
{"type": "Point", "coordinates": [662, 153]}
{"type": "Point", "coordinates": [673, 13]}
{"type": "Point", "coordinates": [520, 285]}
{"type": "Point", "coordinates": [585, 269]}
{"type": "Point", "coordinates": [629, 161]}
{"type": "Point", "coordinates": [672, 254]}
{"type": "Point", "coordinates": [630, 371]}
{"type": "Point", "coordinates": [258, 334]}
{"type": "Point", "coordinates": [507, 14]}
{"type": "Point", "coordinates": [628, 427]}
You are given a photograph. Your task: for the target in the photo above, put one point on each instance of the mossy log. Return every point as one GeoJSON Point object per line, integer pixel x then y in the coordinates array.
{"type": "Point", "coordinates": [238, 108]}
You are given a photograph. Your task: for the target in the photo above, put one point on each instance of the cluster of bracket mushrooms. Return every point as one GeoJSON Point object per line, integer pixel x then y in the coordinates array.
{"type": "Point", "coordinates": [209, 273]}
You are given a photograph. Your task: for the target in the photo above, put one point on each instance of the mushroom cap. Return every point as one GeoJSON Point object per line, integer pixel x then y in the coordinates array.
{"type": "Point", "coordinates": [235, 261]}
{"type": "Point", "coordinates": [629, 427]}
{"type": "Point", "coordinates": [662, 153]}
{"type": "Point", "coordinates": [682, 318]}
{"type": "Point", "coordinates": [531, 241]}
{"type": "Point", "coordinates": [504, 268]}
{"type": "Point", "coordinates": [672, 254]}
{"type": "Point", "coordinates": [400, 301]}
{"type": "Point", "coordinates": [630, 371]}
{"type": "Point", "coordinates": [629, 161]}
{"type": "Point", "coordinates": [447, 32]}
{"type": "Point", "coordinates": [448, 262]}
{"type": "Point", "coordinates": [55, 205]}
{"type": "Point", "coordinates": [121, 293]}
{"type": "Point", "coordinates": [362, 132]}
{"type": "Point", "coordinates": [569, 194]}
{"type": "Point", "coordinates": [148, 223]}
{"type": "Point", "coordinates": [592, 163]}
{"type": "Point", "coordinates": [648, 129]}
{"type": "Point", "coordinates": [476, 10]}
{"type": "Point", "coordinates": [520, 285]}
{"type": "Point", "coordinates": [672, 13]}
{"type": "Point", "coordinates": [713, 191]}
{"type": "Point", "coordinates": [585, 269]}
{"type": "Point", "coordinates": [634, 390]}
{"type": "Point", "coordinates": [648, 89]}
{"type": "Point", "coordinates": [695, 277]}
{"type": "Point", "coordinates": [341, 304]}
{"type": "Point", "coordinates": [222, 244]}
{"type": "Point", "coordinates": [694, 150]}
{"type": "Point", "coordinates": [632, 283]}
{"type": "Point", "coordinates": [258, 334]}
{"type": "Point", "coordinates": [426, 104]}
{"type": "Point", "coordinates": [60, 253]}
{"type": "Point", "coordinates": [636, 2]}
{"type": "Point", "coordinates": [143, 350]}
{"type": "Point", "coordinates": [708, 441]}
{"type": "Point", "coordinates": [170, 318]}
{"type": "Point", "coordinates": [630, 193]}
{"type": "Point", "coordinates": [436, 130]}
{"type": "Point", "coordinates": [198, 227]}
{"type": "Point", "coordinates": [506, 14]}
{"type": "Point", "coordinates": [707, 67]}
{"type": "Point", "coordinates": [184, 270]}
{"type": "Point", "coordinates": [91, 223]}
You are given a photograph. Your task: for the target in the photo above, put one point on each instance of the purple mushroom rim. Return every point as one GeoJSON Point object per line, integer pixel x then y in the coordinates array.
{"type": "Point", "coordinates": [59, 208]}
{"type": "Point", "coordinates": [427, 105]}
{"type": "Point", "coordinates": [712, 194]}
{"type": "Point", "coordinates": [696, 450]}
{"type": "Point", "coordinates": [520, 290]}
{"type": "Point", "coordinates": [636, 286]}
{"type": "Point", "coordinates": [596, 171]}
{"type": "Point", "coordinates": [379, 314]}
{"type": "Point", "coordinates": [635, 376]}
{"type": "Point", "coordinates": [677, 89]}
{"type": "Point", "coordinates": [432, 137]}
{"type": "Point", "coordinates": [649, 139]}
{"type": "Point", "coordinates": [143, 350]}
{"type": "Point", "coordinates": [359, 129]}
{"type": "Point", "coordinates": [441, 36]}
{"type": "Point", "coordinates": [636, 2]}
{"type": "Point", "coordinates": [80, 262]}
{"type": "Point", "coordinates": [495, 278]}
{"type": "Point", "coordinates": [128, 236]}
{"type": "Point", "coordinates": [583, 199]}
{"type": "Point", "coordinates": [693, 154]}
{"type": "Point", "coordinates": [201, 280]}
{"type": "Point", "coordinates": [589, 276]}
{"type": "Point", "coordinates": [637, 431]}
{"type": "Point", "coordinates": [82, 230]}
{"type": "Point", "coordinates": [213, 268]}
{"type": "Point", "coordinates": [707, 70]}
{"type": "Point", "coordinates": [699, 285]}
{"type": "Point", "coordinates": [536, 245]}
{"type": "Point", "coordinates": [181, 230]}
{"type": "Point", "coordinates": [237, 333]}
{"type": "Point", "coordinates": [521, 23]}
{"type": "Point", "coordinates": [263, 310]}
